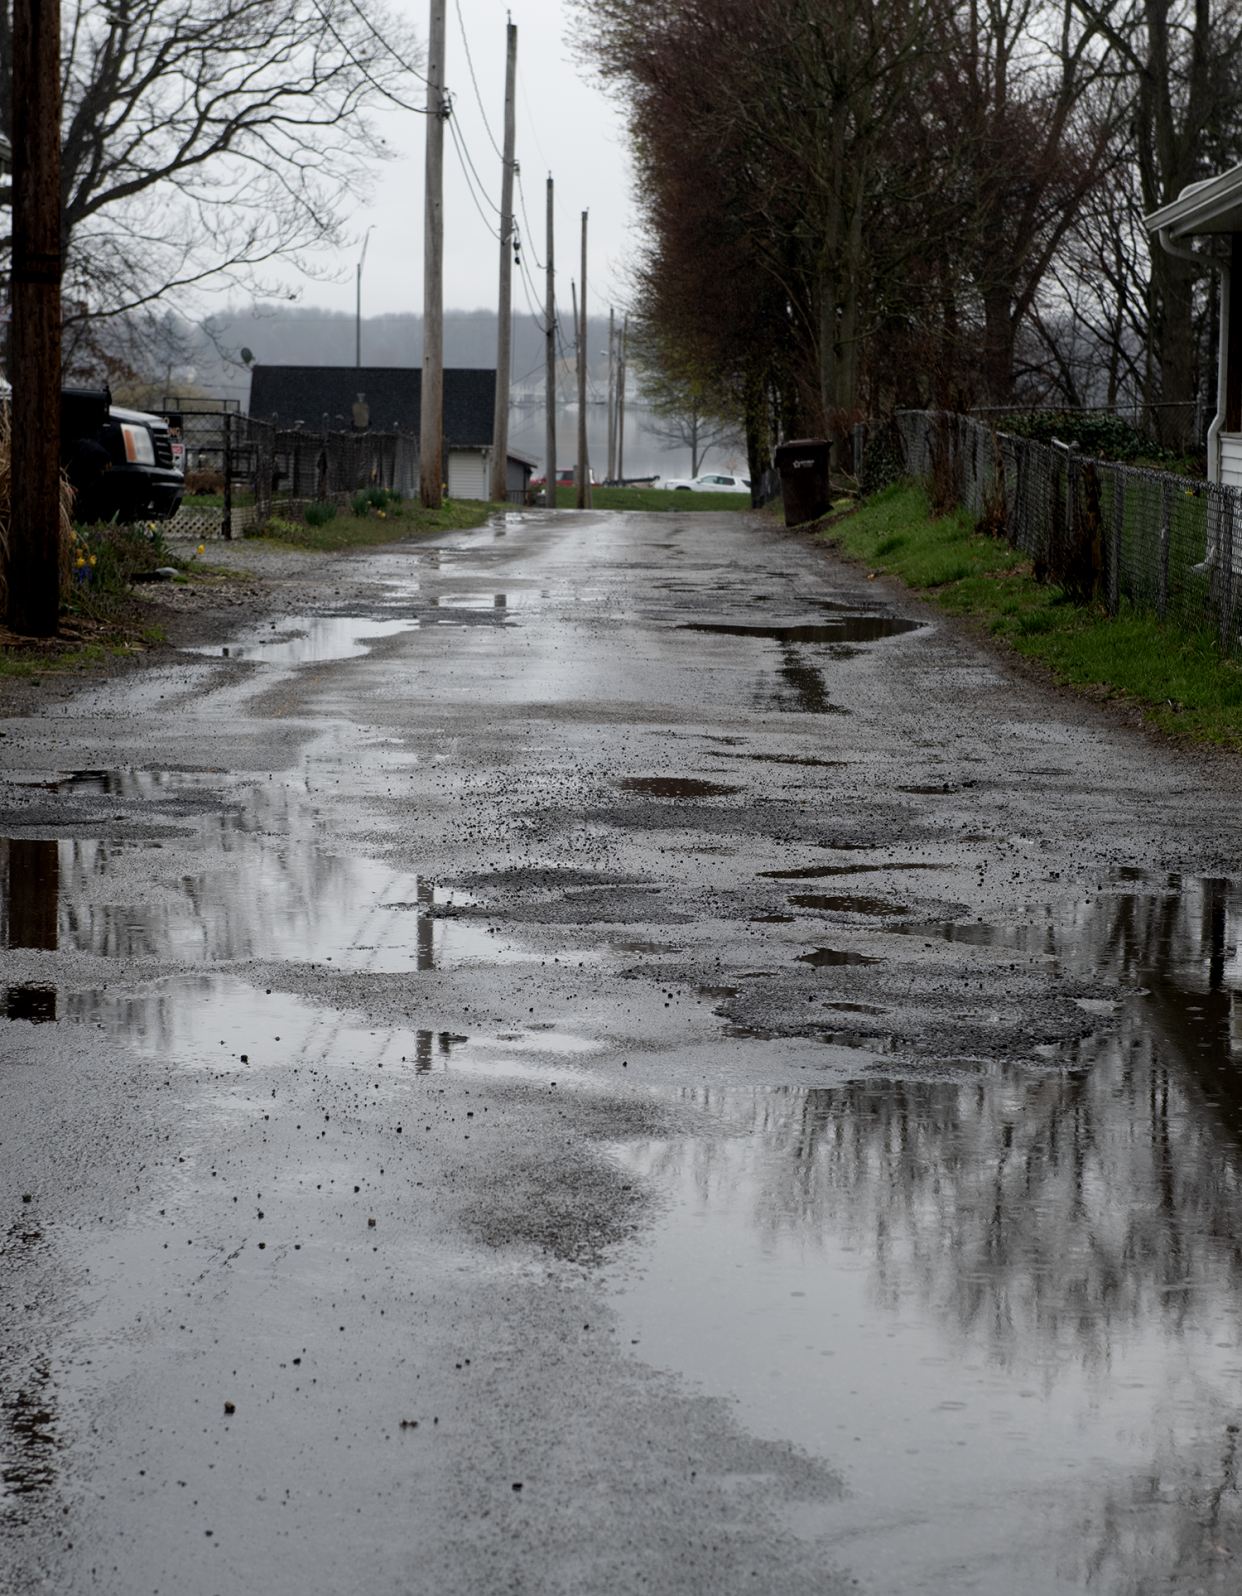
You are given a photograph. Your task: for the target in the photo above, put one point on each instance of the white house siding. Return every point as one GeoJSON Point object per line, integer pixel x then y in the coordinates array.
{"type": "Point", "coordinates": [1231, 458]}
{"type": "Point", "coordinates": [467, 474]}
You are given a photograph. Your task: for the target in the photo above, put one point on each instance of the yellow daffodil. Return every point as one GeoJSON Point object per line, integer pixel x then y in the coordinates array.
{"type": "Point", "coordinates": [92, 559]}
{"type": "Point", "coordinates": [201, 547]}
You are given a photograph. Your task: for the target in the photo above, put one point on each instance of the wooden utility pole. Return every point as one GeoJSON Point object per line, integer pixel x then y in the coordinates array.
{"type": "Point", "coordinates": [32, 567]}
{"type": "Point", "coordinates": [625, 327]}
{"type": "Point", "coordinates": [584, 462]}
{"type": "Point", "coordinates": [362, 260]}
{"type": "Point", "coordinates": [549, 402]}
{"type": "Point", "coordinates": [612, 397]}
{"type": "Point", "coordinates": [500, 423]}
{"type": "Point", "coordinates": [431, 420]}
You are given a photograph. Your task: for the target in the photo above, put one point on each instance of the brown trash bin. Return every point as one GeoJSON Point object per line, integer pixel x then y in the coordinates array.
{"type": "Point", "coordinates": [803, 465]}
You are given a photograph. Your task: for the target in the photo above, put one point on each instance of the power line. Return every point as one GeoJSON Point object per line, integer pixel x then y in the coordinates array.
{"type": "Point", "coordinates": [461, 145]}
{"type": "Point", "coordinates": [530, 231]}
{"type": "Point", "coordinates": [462, 158]}
{"type": "Point", "coordinates": [469, 62]}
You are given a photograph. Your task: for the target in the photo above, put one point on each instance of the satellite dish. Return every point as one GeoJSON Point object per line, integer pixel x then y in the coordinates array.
{"type": "Point", "coordinates": [247, 355]}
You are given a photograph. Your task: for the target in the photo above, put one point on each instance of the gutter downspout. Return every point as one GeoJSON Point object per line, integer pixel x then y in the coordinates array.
{"type": "Point", "coordinates": [1218, 420]}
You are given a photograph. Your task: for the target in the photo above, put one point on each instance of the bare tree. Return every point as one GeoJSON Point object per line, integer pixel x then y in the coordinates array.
{"type": "Point", "coordinates": [683, 417]}
{"type": "Point", "coordinates": [205, 139]}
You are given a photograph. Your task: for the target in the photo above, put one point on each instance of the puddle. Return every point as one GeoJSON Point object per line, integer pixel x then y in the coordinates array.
{"type": "Point", "coordinates": [934, 790]}
{"type": "Point", "coordinates": [33, 1003]}
{"type": "Point", "coordinates": [645, 947]}
{"type": "Point", "coordinates": [235, 1029]}
{"type": "Point", "coordinates": [781, 759]}
{"type": "Point", "coordinates": [846, 904]}
{"type": "Point", "coordinates": [849, 629]}
{"type": "Point", "coordinates": [807, 695]}
{"type": "Point", "coordinates": [1004, 1299]}
{"type": "Point", "coordinates": [856, 1008]}
{"type": "Point", "coordinates": [811, 872]}
{"type": "Point", "coordinates": [311, 640]}
{"type": "Point", "coordinates": [252, 882]}
{"type": "Point", "coordinates": [820, 957]}
{"type": "Point", "coordinates": [674, 787]}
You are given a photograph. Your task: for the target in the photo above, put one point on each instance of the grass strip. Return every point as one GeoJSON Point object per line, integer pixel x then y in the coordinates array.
{"type": "Point", "coordinates": [349, 531]}
{"type": "Point", "coordinates": [1178, 680]}
{"type": "Point", "coordinates": [653, 499]}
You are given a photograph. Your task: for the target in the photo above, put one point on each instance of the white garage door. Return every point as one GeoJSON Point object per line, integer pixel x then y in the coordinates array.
{"type": "Point", "coordinates": [467, 474]}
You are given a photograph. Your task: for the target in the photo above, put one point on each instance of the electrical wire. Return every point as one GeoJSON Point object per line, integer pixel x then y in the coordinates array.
{"type": "Point", "coordinates": [418, 110]}
{"type": "Point", "coordinates": [492, 229]}
{"type": "Point", "coordinates": [461, 144]}
{"type": "Point", "coordinates": [469, 62]}
{"type": "Point", "coordinates": [530, 231]}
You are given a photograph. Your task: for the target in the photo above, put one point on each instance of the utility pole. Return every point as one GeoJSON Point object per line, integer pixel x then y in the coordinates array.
{"type": "Point", "coordinates": [33, 561]}
{"type": "Point", "coordinates": [625, 327]}
{"type": "Point", "coordinates": [584, 463]}
{"type": "Point", "coordinates": [366, 239]}
{"type": "Point", "coordinates": [500, 415]}
{"type": "Point", "coordinates": [549, 379]}
{"type": "Point", "coordinates": [612, 397]}
{"type": "Point", "coordinates": [431, 420]}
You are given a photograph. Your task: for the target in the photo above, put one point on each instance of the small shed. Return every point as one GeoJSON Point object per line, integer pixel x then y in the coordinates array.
{"type": "Point", "coordinates": [1205, 210]}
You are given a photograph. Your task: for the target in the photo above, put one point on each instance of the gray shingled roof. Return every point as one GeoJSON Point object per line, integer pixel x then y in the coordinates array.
{"type": "Point", "coordinates": [290, 394]}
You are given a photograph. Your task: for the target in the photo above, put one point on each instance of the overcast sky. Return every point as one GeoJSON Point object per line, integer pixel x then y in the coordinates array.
{"type": "Point", "coordinates": [564, 124]}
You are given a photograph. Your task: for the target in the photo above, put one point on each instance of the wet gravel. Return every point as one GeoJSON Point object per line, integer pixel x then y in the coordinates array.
{"type": "Point", "coordinates": [597, 1091]}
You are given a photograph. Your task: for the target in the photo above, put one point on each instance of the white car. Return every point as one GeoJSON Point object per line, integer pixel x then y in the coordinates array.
{"type": "Point", "coordinates": [711, 484]}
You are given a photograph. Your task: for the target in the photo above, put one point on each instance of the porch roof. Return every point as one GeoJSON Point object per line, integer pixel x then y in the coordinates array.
{"type": "Point", "coordinates": [1213, 206]}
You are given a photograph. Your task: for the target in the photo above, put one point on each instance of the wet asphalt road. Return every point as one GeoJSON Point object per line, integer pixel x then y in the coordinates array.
{"type": "Point", "coordinates": [598, 1057]}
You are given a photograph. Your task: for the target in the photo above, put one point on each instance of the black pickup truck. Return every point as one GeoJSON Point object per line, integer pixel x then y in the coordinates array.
{"type": "Point", "coordinates": [119, 462]}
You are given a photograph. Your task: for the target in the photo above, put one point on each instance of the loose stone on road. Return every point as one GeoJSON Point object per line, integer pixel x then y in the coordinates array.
{"type": "Point", "coordinates": [611, 1054]}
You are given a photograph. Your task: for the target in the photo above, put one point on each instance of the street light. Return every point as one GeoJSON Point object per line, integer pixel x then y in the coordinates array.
{"type": "Point", "coordinates": [358, 295]}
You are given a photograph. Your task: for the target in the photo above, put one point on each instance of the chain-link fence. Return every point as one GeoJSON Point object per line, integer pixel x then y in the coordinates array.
{"type": "Point", "coordinates": [1164, 544]}
{"type": "Point", "coordinates": [246, 468]}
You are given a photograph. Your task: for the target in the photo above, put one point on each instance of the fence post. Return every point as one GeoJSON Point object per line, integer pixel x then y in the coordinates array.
{"type": "Point", "coordinates": [1114, 550]}
{"type": "Point", "coordinates": [1166, 520]}
{"type": "Point", "coordinates": [1224, 571]}
{"type": "Point", "coordinates": [226, 523]}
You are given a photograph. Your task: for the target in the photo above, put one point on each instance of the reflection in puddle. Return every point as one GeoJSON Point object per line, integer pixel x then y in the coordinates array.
{"type": "Point", "coordinates": [31, 874]}
{"type": "Point", "coordinates": [312, 640]}
{"type": "Point", "coordinates": [849, 629]}
{"type": "Point", "coordinates": [828, 956]}
{"type": "Point", "coordinates": [807, 693]}
{"type": "Point", "coordinates": [1005, 1299]}
{"type": "Point", "coordinates": [258, 886]}
{"type": "Point", "coordinates": [981, 1299]}
{"type": "Point", "coordinates": [845, 904]}
{"type": "Point", "coordinates": [811, 872]}
{"type": "Point", "coordinates": [780, 759]}
{"type": "Point", "coordinates": [674, 787]}
{"type": "Point", "coordinates": [33, 1003]}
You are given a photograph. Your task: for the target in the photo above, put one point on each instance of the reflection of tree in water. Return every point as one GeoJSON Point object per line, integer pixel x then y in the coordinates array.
{"type": "Point", "coordinates": [1180, 1520]}
{"type": "Point", "coordinates": [1039, 1209]}
{"type": "Point", "coordinates": [807, 694]}
{"type": "Point", "coordinates": [265, 889]}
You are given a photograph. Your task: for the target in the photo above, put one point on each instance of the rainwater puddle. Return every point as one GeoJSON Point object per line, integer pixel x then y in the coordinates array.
{"type": "Point", "coordinates": [224, 1024]}
{"type": "Point", "coordinates": [820, 957]}
{"type": "Point", "coordinates": [783, 759]}
{"type": "Point", "coordinates": [674, 787]}
{"type": "Point", "coordinates": [811, 872]}
{"type": "Point", "coordinates": [311, 640]}
{"type": "Point", "coordinates": [848, 629]}
{"type": "Point", "coordinates": [251, 882]}
{"type": "Point", "coordinates": [34, 1003]}
{"type": "Point", "coordinates": [845, 904]}
{"type": "Point", "coordinates": [1004, 1299]}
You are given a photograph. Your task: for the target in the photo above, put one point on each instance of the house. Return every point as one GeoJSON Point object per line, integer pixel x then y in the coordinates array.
{"type": "Point", "coordinates": [389, 399]}
{"type": "Point", "coordinates": [1205, 210]}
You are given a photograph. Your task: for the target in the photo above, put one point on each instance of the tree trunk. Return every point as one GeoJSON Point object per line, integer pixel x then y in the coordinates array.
{"type": "Point", "coordinates": [998, 345]}
{"type": "Point", "coordinates": [1175, 283]}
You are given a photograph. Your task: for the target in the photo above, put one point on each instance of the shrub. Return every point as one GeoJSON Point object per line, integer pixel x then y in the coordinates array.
{"type": "Point", "coordinates": [320, 513]}
{"type": "Point", "coordinates": [360, 504]}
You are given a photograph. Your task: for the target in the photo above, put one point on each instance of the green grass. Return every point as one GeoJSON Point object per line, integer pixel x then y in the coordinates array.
{"type": "Point", "coordinates": [349, 531]}
{"type": "Point", "coordinates": [1177, 679]}
{"type": "Point", "coordinates": [653, 499]}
